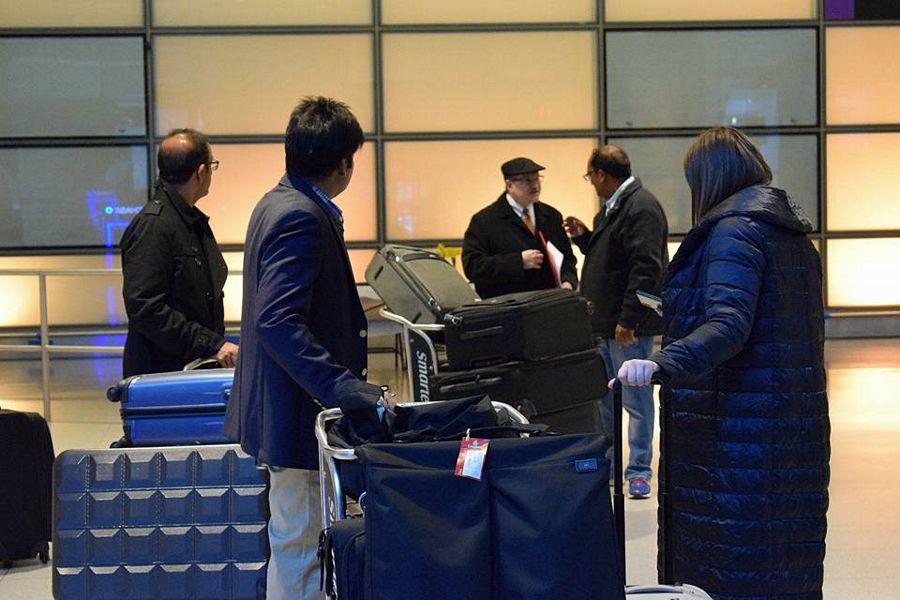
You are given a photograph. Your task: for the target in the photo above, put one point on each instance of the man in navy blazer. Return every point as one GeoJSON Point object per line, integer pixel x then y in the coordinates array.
{"type": "Point", "coordinates": [303, 334]}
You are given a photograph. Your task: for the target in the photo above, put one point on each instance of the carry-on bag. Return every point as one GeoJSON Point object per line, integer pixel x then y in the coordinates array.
{"type": "Point", "coordinates": [537, 524]}
{"type": "Point", "coordinates": [180, 522]}
{"type": "Point", "coordinates": [417, 284]}
{"type": "Point", "coordinates": [524, 326]}
{"type": "Point", "coordinates": [342, 549]}
{"type": "Point", "coordinates": [173, 409]}
{"type": "Point", "coordinates": [560, 392]}
{"type": "Point", "coordinates": [26, 462]}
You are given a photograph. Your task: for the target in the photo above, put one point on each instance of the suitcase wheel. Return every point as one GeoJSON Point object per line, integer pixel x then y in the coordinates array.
{"type": "Point", "coordinates": [44, 556]}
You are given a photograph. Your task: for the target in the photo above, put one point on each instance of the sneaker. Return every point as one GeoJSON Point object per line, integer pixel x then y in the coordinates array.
{"type": "Point", "coordinates": [639, 487]}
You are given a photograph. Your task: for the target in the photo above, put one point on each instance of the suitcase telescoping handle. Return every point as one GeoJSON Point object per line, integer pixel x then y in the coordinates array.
{"type": "Point", "coordinates": [618, 494]}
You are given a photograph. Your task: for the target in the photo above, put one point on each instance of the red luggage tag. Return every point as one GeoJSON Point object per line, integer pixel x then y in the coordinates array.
{"type": "Point", "coordinates": [472, 453]}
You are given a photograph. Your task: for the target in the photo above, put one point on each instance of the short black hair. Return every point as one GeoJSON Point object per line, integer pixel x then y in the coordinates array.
{"type": "Point", "coordinates": [320, 133]}
{"type": "Point", "coordinates": [612, 160]}
{"type": "Point", "coordinates": [176, 165]}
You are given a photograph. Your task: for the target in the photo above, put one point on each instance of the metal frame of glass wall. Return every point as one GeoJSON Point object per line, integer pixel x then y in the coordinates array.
{"type": "Point", "coordinates": [379, 137]}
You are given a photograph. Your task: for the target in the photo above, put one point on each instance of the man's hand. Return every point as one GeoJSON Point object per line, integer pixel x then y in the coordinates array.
{"type": "Point", "coordinates": [624, 336]}
{"type": "Point", "coordinates": [566, 285]}
{"type": "Point", "coordinates": [532, 259]}
{"type": "Point", "coordinates": [388, 398]}
{"type": "Point", "coordinates": [227, 354]}
{"type": "Point", "coordinates": [636, 372]}
{"type": "Point", "coordinates": [574, 226]}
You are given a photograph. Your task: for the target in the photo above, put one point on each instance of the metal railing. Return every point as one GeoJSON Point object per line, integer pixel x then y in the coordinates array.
{"type": "Point", "coordinates": [45, 348]}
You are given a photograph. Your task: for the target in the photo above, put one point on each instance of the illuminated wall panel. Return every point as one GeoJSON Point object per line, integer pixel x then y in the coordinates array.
{"type": "Point", "coordinates": [862, 84]}
{"type": "Point", "coordinates": [708, 10]}
{"type": "Point", "coordinates": [246, 84]}
{"type": "Point", "coordinates": [477, 11]}
{"type": "Point", "coordinates": [247, 171]}
{"type": "Point", "coordinates": [863, 273]}
{"type": "Point", "coordinates": [426, 199]}
{"type": "Point", "coordinates": [183, 13]}
{"type": "Point", "coordinates": [72, 13]}
{"type": "Point", "coordinates": [477, 81]}
{"type": "Point", "coordinates": [863, 181]}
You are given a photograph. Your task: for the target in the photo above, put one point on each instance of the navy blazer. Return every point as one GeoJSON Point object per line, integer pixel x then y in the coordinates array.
{"type": "Point", "coordinates": [303, 330]}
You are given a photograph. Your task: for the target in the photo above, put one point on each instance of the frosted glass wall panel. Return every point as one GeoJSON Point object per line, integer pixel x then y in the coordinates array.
{"type": "Point", "coordinates": [701, 78]}
{"type": "Point", "coordinates": [863, 181]}
{"type": "Point", "coordinates": [247, 171]}
{"type": "Point", "coordinates": [489, 81]}
{"type": "Point", "coordinates": [659, 162]}
{"type": "Point", "coordinates": [72, 13]}
{"type": "Point", "coordinates": [496, 11]}
{"type": "Point", "coordinates": [69, 196]}
{"type": "Point", "coordinates": [862, 82]}
{"type": "Point", "coordinates": [434, 188]}
{"type": "Point", "coordinates": [71, 300]}
{"type": "Point", "coordinates": [185, 13]}
{"type": "Point", "coordinates": [85, 86]}
{"type": "Point", "coordinates": [865, 10]}
{"type": "Point", "coordinates": [863, 273]}
{"type": "Point", "coordinates": [708, 10]}
{"type": "Point", "coordinates": [248, 84]}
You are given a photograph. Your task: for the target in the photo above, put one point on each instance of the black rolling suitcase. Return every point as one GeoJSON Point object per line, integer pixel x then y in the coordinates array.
{"type": "Point", "coordinates": [561, 392]}
{"type": "Point", "coordinates": [26, 463]}
{"type": "Point", "coordinates": [417, 284]}
{"type": "Point", "coordinates": [522, 326]}
{"type": "Point", "coordinates": [342, 550]}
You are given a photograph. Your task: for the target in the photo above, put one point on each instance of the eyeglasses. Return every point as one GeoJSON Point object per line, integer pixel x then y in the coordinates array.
{"type": "Point", "coordinates": [213, 165]}
{"type": "Point", "coordinates": [587, 176]}
{"type": "Point", "coordinates": [531, 179]}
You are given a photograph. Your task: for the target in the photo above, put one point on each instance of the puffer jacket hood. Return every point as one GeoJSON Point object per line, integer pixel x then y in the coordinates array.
{"type": "Point", "coordinates": [766, 203]}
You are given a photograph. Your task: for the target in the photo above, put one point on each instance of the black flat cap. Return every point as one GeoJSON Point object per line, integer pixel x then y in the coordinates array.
{"type": "Point", "coordinates": [519, 166]}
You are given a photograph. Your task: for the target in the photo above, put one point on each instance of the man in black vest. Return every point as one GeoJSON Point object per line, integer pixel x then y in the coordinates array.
{"type": "Point", "coordinates": [506, 245]}
{"type": "Point", "coordinates": [625, 252]}
{"type": "Point", "coordinates": [173, 270]}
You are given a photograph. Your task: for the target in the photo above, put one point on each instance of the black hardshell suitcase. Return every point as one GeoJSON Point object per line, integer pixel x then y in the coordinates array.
{"type": "Point", "coordinates": [26, 463]}
{"type": "Point", "coordinates": [417, 284]}
{"type": "Point", "coordinates": [178, 522]}
{"type": "Point", "coordinates": [560, 392]}
{"type": "Point", "coordinates": [342, 550]}
{"type": "Point", "coordinates": [523, 326]}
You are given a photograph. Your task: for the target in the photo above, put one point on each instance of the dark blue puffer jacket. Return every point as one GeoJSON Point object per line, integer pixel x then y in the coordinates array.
{"type": "Point", "coordinates": [744, 390]}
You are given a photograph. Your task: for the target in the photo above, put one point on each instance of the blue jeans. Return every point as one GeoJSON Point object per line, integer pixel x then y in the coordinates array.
{"type": "Point", "coordinates": [637, 401]}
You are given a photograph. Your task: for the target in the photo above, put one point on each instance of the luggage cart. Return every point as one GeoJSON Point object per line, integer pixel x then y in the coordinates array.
{"type": "Point", "coordinates": [334, 506]}
{"type": "Point", "coordinates": [421, 354]}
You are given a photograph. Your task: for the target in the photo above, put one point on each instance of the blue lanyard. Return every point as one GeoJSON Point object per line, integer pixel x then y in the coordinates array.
{"type": "Point", "coordinates": [310, 189]}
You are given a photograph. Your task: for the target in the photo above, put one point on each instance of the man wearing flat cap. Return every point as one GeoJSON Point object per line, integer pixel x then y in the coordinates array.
{"type": "Point", "coordinates": [510, 245]}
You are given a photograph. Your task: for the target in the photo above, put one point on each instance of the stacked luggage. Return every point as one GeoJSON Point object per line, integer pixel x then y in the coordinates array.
{"type": "Point", "coordinates": [532, 350]}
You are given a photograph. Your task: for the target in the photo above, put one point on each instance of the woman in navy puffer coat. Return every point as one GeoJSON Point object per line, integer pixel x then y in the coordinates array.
{"type": "Point", "coordinates": [743, 377]}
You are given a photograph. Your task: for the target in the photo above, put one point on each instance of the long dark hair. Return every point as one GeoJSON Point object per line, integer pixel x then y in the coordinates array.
{"type": "Point", "coordinates": [721, 162]}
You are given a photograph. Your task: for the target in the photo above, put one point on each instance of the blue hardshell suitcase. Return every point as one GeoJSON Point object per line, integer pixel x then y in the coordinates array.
{"type": "Point", "coordinates": [178, 522]}
{"type": "Point", "coordinates": [171, 409]}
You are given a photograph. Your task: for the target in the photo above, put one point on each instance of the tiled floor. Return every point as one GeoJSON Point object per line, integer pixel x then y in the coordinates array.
{"type": "Point", "coordinates": [864, 528]}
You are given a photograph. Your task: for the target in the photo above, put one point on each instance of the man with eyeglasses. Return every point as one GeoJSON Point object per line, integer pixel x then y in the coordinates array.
{"type": "Point", "coordinates": [513, 244]}
{"type": "Point", "coordinates": [174, 272]}
{"type": "Point", "coordinates": [625, 253]}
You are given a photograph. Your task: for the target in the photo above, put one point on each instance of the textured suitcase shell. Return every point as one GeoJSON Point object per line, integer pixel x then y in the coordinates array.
{"type": "Point", "coordinates": [181, 522]}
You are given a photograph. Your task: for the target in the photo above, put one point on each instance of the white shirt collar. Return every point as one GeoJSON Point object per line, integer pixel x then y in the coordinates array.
{"type": "Point", "coordinates": [519, 209]}
{"type": "Point", "coordinates": [614, 199]}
